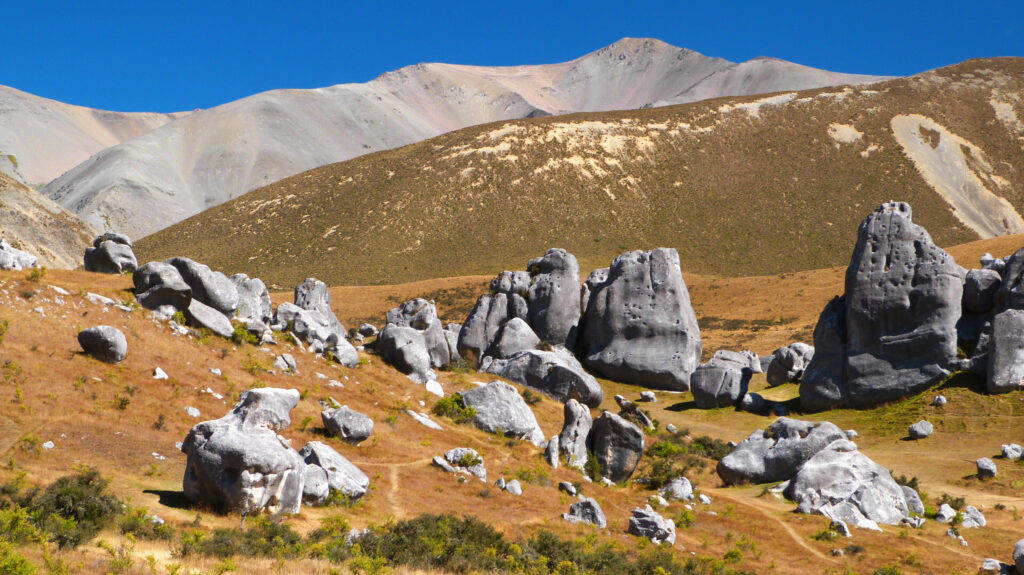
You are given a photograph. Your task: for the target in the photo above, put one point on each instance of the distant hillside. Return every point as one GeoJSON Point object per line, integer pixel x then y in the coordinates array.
{"type": "Point", "coordinates": [221, 153]}
{"type": "Point", "coordinates": [740, 186]}
{"type": "Point", "coordinates": [41, 139]}
{"type": "Point", "coordinates": [34, 223]}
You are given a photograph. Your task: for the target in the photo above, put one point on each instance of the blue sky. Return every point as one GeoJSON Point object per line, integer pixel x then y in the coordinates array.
{"type": "Point", "coordinates": [167, 56]}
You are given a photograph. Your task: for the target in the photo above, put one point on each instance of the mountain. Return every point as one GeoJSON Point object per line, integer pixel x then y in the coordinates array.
{"type": "Point", "coordinates": [740, 186]}
{"type": "Point", "coordinates": [214, 155]}
{"type": "Point", "coordinates": [41, 139]}
{"type": "Point", "coordinates": [35, 223]}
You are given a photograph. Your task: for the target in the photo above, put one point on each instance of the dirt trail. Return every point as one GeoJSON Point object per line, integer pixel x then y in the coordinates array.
{"type": "Point", "coordinates": [773, 514]}
{"type": "Point", "coordinates": [394, 481]}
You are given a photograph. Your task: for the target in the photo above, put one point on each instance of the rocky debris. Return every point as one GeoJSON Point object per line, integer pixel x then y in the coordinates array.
{"type": "Point", "coordinates": [1012, 451]}
{"type": "Point", "coordinates": [788, 363]}
{"type": "Point", "coordinates": [893, 333]}
{"type": "Point", "coordinates": [972, 518]}
{"type": "Point", "coordinates": [945, 513]}
{"type": "Point", "coordinates": [421, 315]}
{"type": "Point", "coordinates": [515, 336]}
{"type": "Point", "coordinates": [158, 284]}
{"type": "Point", "coordinates": [554, 297]}
{"type": "Point", "coordinates": [649, 524]}
{"type": "Point", "coordinates": [914, 521]}
{"type": "Point", "coordinates": [313, 295]}
{"type": "Point", "coordinates": [920, 430]}
{"type": "Point", "coordinates": [587, 511]}
{"type": "Point", "coordinates": [618, 446]}
{"type": "Point", "coordinates": [913, 499]}
{"type": "Point", "coordinates": [986, 468]}
{"type": "Point", "coordinates": [253, 299]}
{"type": "Point", "coordinates": [405, 349]}
{"type": "Point", "coordinates": [939, 401]}
{"type": "Point", "coordinates": [209, 287]}
{"type": "Point", "coordinates": [342, 475]}
{"type": "Point", "coordinates": [704, 499]}
{"type": "Point", "coordinates": [104, 342]}
{"type": "Point", "coordinates": [14, 259]}
{"type": "Point", "coordinates": [778, 452]}
{"type": "Point", "coordinates": [159, 373]}
{"type": "Point", "coordinates": [839, 526]}
{"type": "Point", "coordinates": [111, 254]}
{"type": "Point", "coordinates": [679, 489]}
{"type": "Point", "coordinates": [722, 381]}
{"type": "Point", "coordinates": [1005, 349]}
{"type": "Point", "coordinates": [286, 363]}
{"type": "Point", "coordinates": [368, 330]}
{"type": "Point", "coordinates": [192, 412]}
{"type": "Point", "coordinates": [347, 424]}
{"type": "Point", "coordinates": [639, 326]}
{"type": "Point", "coordinates": [500, 408]}
{"type": "Point", "coordinates": [572, 441]}
{"type": "Point", "coordinates": [466, 460]}
{"type": "Point", "coordinates": [657, 500]}
{"type": "Point", "coordinates": [556, 373]}
{"type": "Point", "coordinates": [980, 288]}
{"type": "Point", "coordinates": [567, 487]}
{"type": "Point", "coordinates": [239, 461]}
{"type": "Point", "coordinates": [648, 397]}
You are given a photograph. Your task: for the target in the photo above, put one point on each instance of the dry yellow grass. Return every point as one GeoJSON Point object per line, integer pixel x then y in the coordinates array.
{"type": "Point", "coordinates": [52, 392]}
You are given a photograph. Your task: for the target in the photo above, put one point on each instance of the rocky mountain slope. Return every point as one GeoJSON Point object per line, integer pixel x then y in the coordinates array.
{"type": "Point", "coordinates": [41, 139]}
{"type": "Point", "coordinates": [739, 186]}
{"type": "Point", "coordinates": [34, 223]}
{"type": "Point", "coordinates": [218, 154]}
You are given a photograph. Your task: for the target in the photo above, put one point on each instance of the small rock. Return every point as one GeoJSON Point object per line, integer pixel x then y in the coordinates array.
{"type": "Point", "coordinates": [434, 386]}
{"type": "Point", "coordinates": [972, 518]}
{"type": "Point", "coordinates": [514, 487]}
{"type": "Point", "coordinates": [192, 412]}
{"type": "Point", "coordinates": [367, 330]}
{"type": "Point", "coordinates": [215, 371]}
{"type": "Point", "coordinates": [679, 489]}
{"type": "Point", "coordinates": [48, 445]}
{"type": "Point", "coordinates": [939, 400]}
{"type": "Point", "coordinates": [467, 460]}
{"type": "Point", "coordinates": [286, 363]}
{"type": "Point", "coordinates": [704, 499]}
{"type": "Point", "coordinates": [423, 420]}
{"type": "Point", "coordinates": [567, 487]}
{"type": "Point", "coordinates": [648, 396]}
{"type": "Point", "coordinates": [658, 500]}
{"type": "Point", "coordinates": [991, 566]}
{"type": "Point", "coordinates": [851, 434]}
{"type": "Point", "coordinates": [986, 468]}
{"type": "Point", "coordinates": [650, 524]}
{"type": "Point", "coordinates": [1012, 451]}
{"type": "Point", "coordinates": [920, 430]}
{"type": "Point", "coordinates": [945, 513]}
{"type": "Point", "coordinates": [671, 428]}
{"type": "Point", "coordinates": [587, 511]}
{"type": "Point", "coordinates": [347, 424]}
{"type": "Point", "coordinates": [159, 373]}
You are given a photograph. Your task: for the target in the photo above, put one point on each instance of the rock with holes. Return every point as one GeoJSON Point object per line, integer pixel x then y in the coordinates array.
{"type": "Point", "coordinates": [342, 475]}
{"type": "Point", "coordinates": [500, 409]}
{"type": "Point", "coordinates": [509, 282]}
{"type": "Point", "coordinates": [788, 363]}
{"type": "Point", "coordinates": [253, 299]}
{"type": "Point", "coordinates": [980, 288]}
{"type": "Point", "coordinates": [405, 349]}
{"type": "Point", "coordinates": [586, 511]}
{"type": "Point", "coordinates": [212, 288]}
{"type": "Point", "coordinates": [618, 446]}
{"type": "Point", "coordinates": [421, 315]}
{"type": "Point", "coordinates": [843, 484]}
{"type": "Point", "coordinates": [11, 258]}
{"type": "Point", "coordinates": [722, 381]}
{"type": "Point", "coordinates": [347, 424]}
{"type": "Point", "coordinates": [111, 254]}
{"type": "Point", "coordinates": [648, 523]}
{"type": "Point", "coordinates": [515, 336]}
{"type": "Point", "coordinates": [898, 332]}
{"type": "Point", "coordinates": [104, 342]}
{"type": "Point", "coordinates": [554, 297]}
{"type": "Point", "coordinates": [639, 326]}
{"type": "Point", "coordinates": [240, 463]}
{"type": "Point", "coordinates": [572, 441]}
{"type": "Point", "coordinates": [778, 452]}
{"type": "Point", "coordinates": [556, 373]}
{"type": "Point", "coordinates": [1006, 352]}
{"type": "Point", "coordinates": [158, 284]}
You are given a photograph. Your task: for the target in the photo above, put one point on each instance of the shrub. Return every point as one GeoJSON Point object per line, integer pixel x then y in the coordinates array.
{"type": "Point", "coordinates": [243, 335]}
{"type": "Point", "coordinates": [179, 318]}
{"type": "Point", "coordinates": [531, 397]}
{"type": "Point", "coordinates": [12, 563]}
{"type": "Point", "coordinates": [954, 502]}
{"type": "Point", "coordinates": [4, 326]}
{"type": "Point", "coordinates": [439, 542]}
{"type": "Point", "coordinates": [137, 523]}
{"type": "Point", "coordinates": [74, 508]}
{"type": "Point", "coordinates": [36, 275]}
{"type": "Point", "coordinates": [454, 407]}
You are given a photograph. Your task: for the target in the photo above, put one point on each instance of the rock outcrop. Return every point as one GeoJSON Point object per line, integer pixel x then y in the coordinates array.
{"type": "Point", "coordinates": [405, 349]}
{"type": "Point", "coordinates": [421, 315]}
{"type": "Point", "coordinates": [639, 326]}
{"type": "Point", "coordinates": [13, 259]}
{"type": "Point", "coordinates": [159, 284]}
{"type": "Point", "coordinates": [111, 253]}
{"type": "Point", "coordinates": [554, 297]}
{"type": "Point", "coordinates": [788, 363]}
{"type": "Point", "coordinates": [778, 452]}
{"type": "Point", "coordinates": [893, 333]}
{"type": "Point", "coordinates": [722, 381]}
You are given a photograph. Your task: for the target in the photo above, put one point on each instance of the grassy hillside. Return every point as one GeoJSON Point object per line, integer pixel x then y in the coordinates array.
{"type": "Point", "coordinates": [117, 417]}
{"type": "Point", "coordinates": [32, 222]}
{"type": "Point", "coordinates": [740, 186]}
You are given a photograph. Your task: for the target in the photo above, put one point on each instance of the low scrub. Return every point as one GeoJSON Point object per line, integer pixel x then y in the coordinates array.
{"type": "Point", "coordinates": [454, 408]}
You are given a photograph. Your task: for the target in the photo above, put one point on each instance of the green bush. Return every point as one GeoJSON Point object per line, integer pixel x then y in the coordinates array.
{"type": "Point", "coordinates": [454, 408]}
{"type": "Point", "coordinates": [136, 522]}
{"type": "Point", "coordinates": [439, 542]}
{"type": "Point", "coordinates": [12, 563]}
{"type": "Point", "coordinates": [74, 508]}
{"type": "Point", "coordinates": [243, 335]}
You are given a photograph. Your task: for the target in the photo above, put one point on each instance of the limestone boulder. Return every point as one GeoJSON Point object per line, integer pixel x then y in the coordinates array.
{"type": "Point", "coordinates": [515, 336]}
{"type": "Point", "coordinates": [556, 373]}
{"type": "Point", "coordinates": [1005, 349]}
{"type": "Point", "coordinates": [104, 342]}
{"type": "Point", "coordinates": [572, 440]}
{"type": "Point", "coordinates": [405, 349]}
{"type": "Point", "coordinates": [618, 446]}
{"type": "Point", "coordinates": [347, 424]}
{"type": "Point", "coordinates": [500, 408]}
{"type": "Point", "coordinates": [777, 453]}
{"type": "Point", "coordinates": [158, 284]}
{"type": "Point", "coordinates": [110, 257]}
{"type": "Point", "coordinates": [253, 298]}
{"type": "Point", "coordinates": [11, 258]}
{"type": "Point", "coordinates": [980, 288]}
{"type": "Point", "coordinates": [421, 315]}
{"type": "Point", "coordinates": [554, 297]}
{"type": "Point", "coordinates": [788, 363]}
{"type": "Point", "coordinates": [342, 475]}
{"type": "Point", "coordinates": [586, 511]}
{"type": "Point", "coordinates": [211, 288]}
{"type": "Point", "coordinates": [649, 524]}
{"type": "Point", "coordinates": [722, 381]}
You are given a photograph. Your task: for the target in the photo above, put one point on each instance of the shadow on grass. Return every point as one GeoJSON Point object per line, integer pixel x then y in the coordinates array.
{"type": "Point", "coordinates": [172, 499]}
{"type": "Point", "coordinates": [966, 380]}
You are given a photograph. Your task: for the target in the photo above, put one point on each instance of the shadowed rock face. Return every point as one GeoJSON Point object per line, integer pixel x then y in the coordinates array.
{"type": "Point", "coordinates": [639, 326]}
{"type": "Point", "coordinates": [618, 446]}
{"type": "Point", "coordinates": [554, 297]}
{"type": "Point", "coordinates": [902, 301]}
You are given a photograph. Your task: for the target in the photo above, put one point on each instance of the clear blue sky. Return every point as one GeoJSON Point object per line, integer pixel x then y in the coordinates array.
{"type": "Point", "coordinates": [136, 55]}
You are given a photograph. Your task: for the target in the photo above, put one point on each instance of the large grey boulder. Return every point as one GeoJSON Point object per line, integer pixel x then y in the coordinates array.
{"type": "Point", "coordinates": [500, 408]}
{"type": "Point", "coordinates": [843, 484]}
{"type": "Point", "coordinates": [920, 430]}
{"type": "Point", "coordinates": [315, 489]}
{"type": "Point", "coordinates": [648, 523]}
{"type": "Point", "coordinates": [1010, 294]}
{"type": "Point", "coordinates": [913, 499]}
{"type": "Point", "coordinates": [253, 298]}
{"type": "Point", "coordinates": [980, 288]}
{"type": "Point", "coordinates": [421, 315]}
{"type": "Point", "coordinates": [239, 462]}
{"type": "Point", "coordinates": [508, 282]}
{"type": "Point", "coordinates": [347, 424]}
{"type": "Point", "coordinates": [586, 511]}
{"type": "Point", "coordinates": [201, 315]}
{"type": "Point", "coordinates": [986, 468]}
{"type": "Point", "coordinates": [104, 342]}
{"type": "Point", "coordinates": [572, 441]}
{"type": "Point", "coordinates": [554, 297]}
{"type": "Point", "coordinates": [639, 326]}
{"type": "Point", "coordinates": [13, 259]}
{"type": "Point", "coordinates": [679, 489]}
{"type": "Point", "coordinates": [313, 295]}
{"type": "Point", "coordinates": [722, 381]}
{"type": "Point", "coordinates": [901, 305]}
{"type": "Point", "coordinates": [209, 287]}
{"type": "Point", "coordinates": [405, 349]}
{"type": "Point", "coordinates": [110, 256]}
{"type": "Point", "coordinates": [515, 336]}
{"type": "Point", "coordinates": [788, 363]}
{"type": "Point", "coordinates": [778, 452]}
{"type": "Point", "coordinates": [556, 373]}
{"type": "Point", "coordinates": [618, 446]}
{"type": "Point", "coordinates": [482, 326]}
{"type": "Point", "coordinates": [1005, 348]}
{"type": "Point", "coordinates": [159, 284]}
{"type": "Point", "coordinates": [342, 475]}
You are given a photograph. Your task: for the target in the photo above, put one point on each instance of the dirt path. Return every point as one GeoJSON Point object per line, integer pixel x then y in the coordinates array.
{"type": "Point", "coordinates": [772, 514]}
{"type": "Point", "coordinates": [394, 481]}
